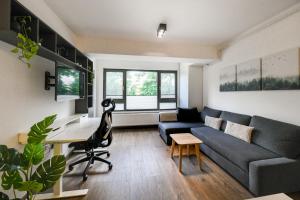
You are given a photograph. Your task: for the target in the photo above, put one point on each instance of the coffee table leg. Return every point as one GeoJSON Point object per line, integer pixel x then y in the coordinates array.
{"type": "Point", "coordinates": [197, 150]}
{"type": "Point", "coordinates": [180, 158]}
{"type": "Point", "coordinates": [172, 148]}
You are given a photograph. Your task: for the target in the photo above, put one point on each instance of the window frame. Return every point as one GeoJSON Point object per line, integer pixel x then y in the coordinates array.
{"type": "Point", "coordinates": [159, 99]}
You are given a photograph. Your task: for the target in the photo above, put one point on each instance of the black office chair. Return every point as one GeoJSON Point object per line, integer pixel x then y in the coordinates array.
{"type": "Point", "coordinates": [101, 138]}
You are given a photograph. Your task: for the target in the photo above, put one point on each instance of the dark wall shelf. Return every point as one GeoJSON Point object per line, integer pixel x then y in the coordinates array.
{"type": "Point", "coordinates": [47, 37]}
{"type": "Point", "coordinates": [53, 46]}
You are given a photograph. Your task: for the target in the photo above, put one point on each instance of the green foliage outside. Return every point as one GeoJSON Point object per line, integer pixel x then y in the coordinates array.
{"type": "Point", "coordinates": [288, 83]}
{"type": "Point", "coordinates": [68, 81]}
{"type": "Point", "coordinates": [26, 48]}
{"type": "Point", "coordinates": [142, 84]}
{"type": "Point", "coordinates": [252, 85]}
{"type": "Point", "coordinates": [227, 87]}
{"type": "Point", "coordinates": [114, 83]}
{"type": "Point", "coordinates": [26, 171]}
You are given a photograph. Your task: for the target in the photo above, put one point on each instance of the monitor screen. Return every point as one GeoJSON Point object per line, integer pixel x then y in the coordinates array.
{"type": "Point", "coordinates": [67, 83]}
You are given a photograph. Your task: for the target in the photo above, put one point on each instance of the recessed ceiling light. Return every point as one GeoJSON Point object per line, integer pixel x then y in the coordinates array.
{"type": "Point", "coordinates": [161, 30]}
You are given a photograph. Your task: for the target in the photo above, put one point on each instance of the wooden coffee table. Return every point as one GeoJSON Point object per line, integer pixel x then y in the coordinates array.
{"type": "Point", "coordinates": [185, 139]}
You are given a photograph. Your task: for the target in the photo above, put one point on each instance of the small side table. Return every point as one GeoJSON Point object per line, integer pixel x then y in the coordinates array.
{"type": "Point", "coordinates": [185, 139]}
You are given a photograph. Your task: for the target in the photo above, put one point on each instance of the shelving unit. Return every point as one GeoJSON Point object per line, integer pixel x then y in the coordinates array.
{"type": "Point", "coordinates": [53, 46]}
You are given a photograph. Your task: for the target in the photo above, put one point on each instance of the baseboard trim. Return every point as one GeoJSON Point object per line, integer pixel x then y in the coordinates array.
{"type": "Point", "coordinates": [135, 127]}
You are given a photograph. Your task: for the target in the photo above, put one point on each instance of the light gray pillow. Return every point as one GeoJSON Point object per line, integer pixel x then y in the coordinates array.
{"type": "Point", "coordinates": [239, 131]}
{"type": "Point", "coordinates": [213, 122]}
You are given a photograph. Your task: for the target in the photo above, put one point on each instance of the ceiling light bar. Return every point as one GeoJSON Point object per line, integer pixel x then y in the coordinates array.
{"type": "Point", "coordinates": [161, 30]}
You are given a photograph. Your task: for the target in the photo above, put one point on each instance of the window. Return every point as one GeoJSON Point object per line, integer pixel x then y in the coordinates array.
{"type": "Point", "coordinates": [141, 89]}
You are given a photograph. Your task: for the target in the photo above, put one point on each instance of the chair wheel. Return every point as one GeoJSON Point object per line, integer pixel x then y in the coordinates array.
{"type": "Point", "coordinates": [71, 168]}
{"type": "Point", "coordinates": [108, 154]}
{"type": "Point", "coordinates": [84, 178]}
{"type": "Point", "coordinates": [110, 166]}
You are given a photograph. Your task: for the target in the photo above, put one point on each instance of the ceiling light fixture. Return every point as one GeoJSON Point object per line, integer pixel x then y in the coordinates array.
{"type": "Point", "coordinates": [161, 30]}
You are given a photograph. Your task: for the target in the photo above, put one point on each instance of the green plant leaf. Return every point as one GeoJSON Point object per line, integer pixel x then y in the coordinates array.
{"type": "Point", "coordinates": [33, 153]}
{"type": "Point", "coordinates": [9, 158]}
{"type": "Point", "coordinates": [28, 65]}
{"type": "Point", "coordinates": [50, 171]}
{"type": "Point", "coordinates": [32, 186]}
{"type": "Point", "coordinates": [22, 37]}
{"type": "Point", "coordinates": [11, 178]}
{"type": "Point", "coordinates": [3, 196]}
{"type": "Point", "coordinates": [15, 50]}
{"type": "Point", "coordinates": [39, 131]}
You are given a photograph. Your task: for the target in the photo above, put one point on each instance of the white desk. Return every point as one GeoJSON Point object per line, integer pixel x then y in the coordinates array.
{"type": "Point", "coordinates": [74, 132]}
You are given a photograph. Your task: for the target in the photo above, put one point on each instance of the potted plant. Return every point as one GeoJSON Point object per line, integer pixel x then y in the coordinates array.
{"type": "Point", "coordinates": [26, 48]}
{"type": "Point", "coordinates": [27, 171]}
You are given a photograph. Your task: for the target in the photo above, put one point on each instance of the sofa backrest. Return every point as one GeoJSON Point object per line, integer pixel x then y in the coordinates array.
{"type": "Point", "coordinates": [278, 137]}
{"type": "Point", "coordinates": [234, 117]}
{"type": "Point", "coordinates": [209, 112]}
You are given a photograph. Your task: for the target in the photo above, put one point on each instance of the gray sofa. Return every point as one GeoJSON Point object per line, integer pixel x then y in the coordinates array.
{"type": "Point", "coordinates": [269, 164]}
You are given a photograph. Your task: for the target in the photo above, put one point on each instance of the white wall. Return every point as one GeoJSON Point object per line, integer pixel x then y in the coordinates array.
{"type": "Point", "coordinates": [23, 99]}
{"type": "Point", "coordinates": [184, 85]}
{"type": "Point", "coordinates": [137, 118]}
{"type": "Point", "coordinates": [191, 86]}
{"type": "Point", "coordinates": [280, 105]}
{"type": "Point", "coordinates": [196, 86]}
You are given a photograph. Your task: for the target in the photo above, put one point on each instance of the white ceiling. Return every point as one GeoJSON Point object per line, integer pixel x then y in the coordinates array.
{"type": "Point", "coordinates": [201, 21]}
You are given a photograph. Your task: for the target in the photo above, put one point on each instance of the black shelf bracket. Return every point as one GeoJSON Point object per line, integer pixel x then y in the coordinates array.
{"type": "Point", "coordinates": [48, 79]}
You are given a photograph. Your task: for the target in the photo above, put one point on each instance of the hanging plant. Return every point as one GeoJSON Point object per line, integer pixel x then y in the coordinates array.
{"type": "Point", "coordinates": [27, 171]}
{"type": "Point", "coordinates": [26, 48]}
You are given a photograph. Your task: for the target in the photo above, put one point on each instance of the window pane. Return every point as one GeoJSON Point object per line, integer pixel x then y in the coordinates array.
{"type": "Point", "coordinates": [167, 105]}
{"type": "Point", "coordinates": [141, 90]}
{"type": "Point", "coordinates": [119, 106]}
{"type": "Point", "coordinates": [168, 85]}
{"type": "Point", "coordinates": [114, 85]}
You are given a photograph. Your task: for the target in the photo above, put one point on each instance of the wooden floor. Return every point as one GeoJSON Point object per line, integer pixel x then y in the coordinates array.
{"type": "Point", "coordinates": [143, 170]}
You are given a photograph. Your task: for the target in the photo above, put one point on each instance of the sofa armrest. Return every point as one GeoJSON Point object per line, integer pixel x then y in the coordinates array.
{"type": "Point", "coordinates": [170, 116]}
{"type": "Point", "coordinates": [275, 175]}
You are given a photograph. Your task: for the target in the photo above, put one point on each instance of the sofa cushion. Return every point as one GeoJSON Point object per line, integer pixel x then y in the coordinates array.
{"type": "Point", "coordinates": [213, 122]}
{"type": "Point", "coordinates": [279, 137]}
{"type": "Point", "coordinates": [209, 112]}
{"type": "Point", "coordinates": [177, 127]}
{"type": "Point", "coordinates": [188, 115]}
{"type": "Point", "coordinates": [239, 131]}
{"type": "Point", "coordinates": [235, 150]}
{"type": "Point", "coordinates": [234, 117]}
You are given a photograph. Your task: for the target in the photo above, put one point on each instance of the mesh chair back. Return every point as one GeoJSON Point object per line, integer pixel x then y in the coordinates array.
{"type": "Point", "coordinates": [103, 135]}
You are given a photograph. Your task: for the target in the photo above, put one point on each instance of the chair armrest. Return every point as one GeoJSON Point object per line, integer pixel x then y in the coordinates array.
{"type": "Point", "coordinates": [168, 116]}
{"type": "Point", "coordinates": [275, 175]}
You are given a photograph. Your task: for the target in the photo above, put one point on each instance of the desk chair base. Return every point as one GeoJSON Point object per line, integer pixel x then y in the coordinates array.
{"type": "Point", "coordinates": [91, 158]}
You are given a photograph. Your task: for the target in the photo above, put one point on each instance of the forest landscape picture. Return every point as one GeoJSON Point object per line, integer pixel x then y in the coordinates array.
{"type": "Point", "coordinates": [228, 79]}
{"type": "Point", "coordinates": [281, 71]}
{"type": "Point", "coordinates": [249, 75]}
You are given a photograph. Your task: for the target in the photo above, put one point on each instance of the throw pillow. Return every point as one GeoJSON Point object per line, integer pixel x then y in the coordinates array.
{"type": "Point", "coordinates": [213, 122]}
{"type": "Point", "coordinates": [239, 131]}
{"type": "Point", "coordinates": [188, 115]}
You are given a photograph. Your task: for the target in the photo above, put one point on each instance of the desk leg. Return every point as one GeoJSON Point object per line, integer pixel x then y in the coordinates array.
{"type": "Point", "coordinates": [58, 187]}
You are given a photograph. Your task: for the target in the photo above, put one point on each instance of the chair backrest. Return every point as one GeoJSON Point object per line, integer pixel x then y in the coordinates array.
{"type": "Point", "coordinates": [103, 135]}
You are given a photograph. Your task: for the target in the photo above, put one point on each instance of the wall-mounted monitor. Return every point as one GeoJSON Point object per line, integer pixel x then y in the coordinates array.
{"type": "Point", "coordinates": [69, 83]}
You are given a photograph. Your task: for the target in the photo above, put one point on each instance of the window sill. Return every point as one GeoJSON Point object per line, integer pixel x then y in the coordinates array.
{"type": "Point", "coordinates": [141, 111]}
